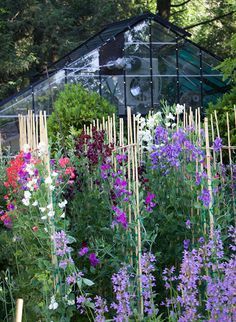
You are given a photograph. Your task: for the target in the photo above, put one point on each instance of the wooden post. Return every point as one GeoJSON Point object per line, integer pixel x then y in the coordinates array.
{"type": "Point", "coordinates": [19, 310]}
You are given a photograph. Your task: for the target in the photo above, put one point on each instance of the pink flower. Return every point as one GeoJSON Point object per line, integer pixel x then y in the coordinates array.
{"type": "Point", "coordinates": [63, 162]}
{"type": "Point", "coordinates": [70, 171]}
{"type": "Point", "coordinates": [94, 261]}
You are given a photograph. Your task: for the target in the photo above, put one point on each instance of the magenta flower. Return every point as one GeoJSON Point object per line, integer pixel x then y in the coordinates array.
{"type": "Point", "coordinates": [94, 261]}
{"type": "Point", "coordinates": [149, 201]}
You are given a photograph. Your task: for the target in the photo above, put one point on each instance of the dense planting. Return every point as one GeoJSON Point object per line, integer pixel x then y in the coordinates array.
{"type": "Point", "coordinates": [121, 232]}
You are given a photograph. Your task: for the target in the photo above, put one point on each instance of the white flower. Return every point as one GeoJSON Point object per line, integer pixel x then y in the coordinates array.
{"type": "Point", "coordinates": [42, 148]}
{"type": "Point", "coordinates": [35, 203]}
{"type": "Point", "coordinates": [44, 217]}
{"type": "Point", "coordinates": [168, 124]}
{"type": "Point", "coordinates": [54, 174]}
{"type": "Point", "coordinates": [151, 123]}
{"type": "Point", "coordinates": [30, 169]}
{"type": "Point", "coordinates": [51, 213]}
{"type": "Point", "coordinates": [48, 180]}
{"type": "Point", "coordinates": [49, 206]}
{"type": "Point", "coordinates": [51, 187]}
{"type": "Point", "coordinates": [25, 201]}
{"type": "Point", "coordinates": [170, 116]}
{"type": "Point", "coordinates": [53, 305]}
{"type": "Point", "coordinates": [62, 204]}
{"type": "Point", "coordinates": [70, 302]}
{"type": "Point", "coordinates": [42, 209]}
{"type": "Point", "coordinates": [179, 108]}
{"type": "Point", "coordinates": [45, 229]}
{"type": "Point", "coordinates": [173, 125]}
{"type": "Point", "coordinates": [26, 148]}
{"type": "Point", "coordinates": [62, 215]}
{"type": "Point", "coordinates": [27, 195]}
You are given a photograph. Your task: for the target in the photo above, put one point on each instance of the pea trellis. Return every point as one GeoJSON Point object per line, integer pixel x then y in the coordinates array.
{"type": "Point", "coordinates": [127, 137]}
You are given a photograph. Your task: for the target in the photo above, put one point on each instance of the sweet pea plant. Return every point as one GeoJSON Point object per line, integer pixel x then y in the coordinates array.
{"type": "Point", "coordinates": [73, 229]}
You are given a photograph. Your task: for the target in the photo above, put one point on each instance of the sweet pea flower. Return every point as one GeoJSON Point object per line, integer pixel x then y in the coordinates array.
{"type": "Point", "coordinates": [63, 162]}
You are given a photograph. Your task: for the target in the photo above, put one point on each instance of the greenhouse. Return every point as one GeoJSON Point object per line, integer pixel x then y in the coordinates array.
{"type": "Point", "coordinates": [136, 62]}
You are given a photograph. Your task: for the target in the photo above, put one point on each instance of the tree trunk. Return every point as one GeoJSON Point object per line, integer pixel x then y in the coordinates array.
{"type": "Point", "coordinates": [163, 8]}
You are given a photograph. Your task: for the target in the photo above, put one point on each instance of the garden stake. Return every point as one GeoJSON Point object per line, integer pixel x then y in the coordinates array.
{"type": "Point", "coordinates": [218, 134]}
{"type": "Point", "coordinates": [139, 233]}
{"type": "Point", "coordinates": [213, 139]}
{"type": "Point", "coordinates": [19, 310]}
{"type": "Point", "coordinates": [209, 178]}
{"type": "Point", "coordinates": [230, 160]}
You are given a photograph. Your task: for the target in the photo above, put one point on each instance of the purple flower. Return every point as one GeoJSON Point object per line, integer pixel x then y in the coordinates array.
{"type": "Point", "coordinates": [94, 261]}
{"type": "Point", "coordinates": [149, 202]}
{"type": "Point", "coordinates": [61, 241]}
{"type": "Point", "coordinates": [120, 217]}
{"type": "Point", "coordinates": [121, 157]}
{"type": "Point", "coordinates": [217, 144]}
{"type": "Point", "coordinates": [188, 224]}
{"type": "Point", "coordinates": [148, 282]}
{"type": "Point", "coordinates": [64, 263]}
{"type": "Point", "coordinates": [81, 302]}
{"type": "Point", "coordinates": [201, 240]}
{"type": "Point", "coordinates": [186, 243]}
{"type": "Point", "coordinates": [100, 309]}
{"type": "Point", "coordinates": [72, 279]}
{"type": "Point", "coordinates": [84, 250]}
{"type": "Point", "coordinates": [205, 197]}
{"type": "Point", "coordinates": [121, 285]}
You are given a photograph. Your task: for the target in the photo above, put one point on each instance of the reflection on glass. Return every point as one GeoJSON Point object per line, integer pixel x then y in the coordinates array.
{"type": "Point", "coordinates": [139, 33]}
{"type": "Point", "coordinates": [137, 58]}
{"type": "Point", "coordinates": [87, 64]}
{"type": "Point", "coordinates": [138, 93]}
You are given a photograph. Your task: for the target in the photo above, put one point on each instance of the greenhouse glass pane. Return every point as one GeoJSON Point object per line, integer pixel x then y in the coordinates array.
{"type": "Point", "coordinates": [137, 59]}
{"type": "Point", "coordinates": [189, 59]}
{"type": "Point", "coordinates": [161, 34]}
{"type": "Point", "coordinates": [9, 129]}
{"type": "Point", "coordinates": [86, 64]}
{"type": "Point", "coordinates": [18, 105]}
{"type": "Point", "coordinates": [138, 33]}
{"type": "Point", "coordinates": [164, 89]}
{"type": "Point", "coordinates": [190, 91]}
{"type": "Point", "coordinates": [209, 64]}
{"type": "Point", "coordinates": [112, 88]}
{"type": "Point", "coordinates": [138, 93]}
{"type": "Point", "coordinates": [90, 82]}
{"type": "Point", "coordinates": [164, 60]}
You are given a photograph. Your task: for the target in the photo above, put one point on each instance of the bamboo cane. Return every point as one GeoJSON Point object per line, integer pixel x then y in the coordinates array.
{"type": "Point", "coordinates": [209, 178]}
{"type": "Point", "coordinates": [213, 139]}
{"type": "Point", "coordinates": [19, 310]}
{"type": "Point", "coordinates": [218, 134]}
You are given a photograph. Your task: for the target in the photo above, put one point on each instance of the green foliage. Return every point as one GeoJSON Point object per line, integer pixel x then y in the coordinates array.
{"type": "Point", "coordinates": [74, 107]}
{"type": "Point", "coordinates": [228, 100]}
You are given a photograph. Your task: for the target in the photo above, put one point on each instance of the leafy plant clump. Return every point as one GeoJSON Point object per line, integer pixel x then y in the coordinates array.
{"type": "Point", "coordinates": [74, 108]}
